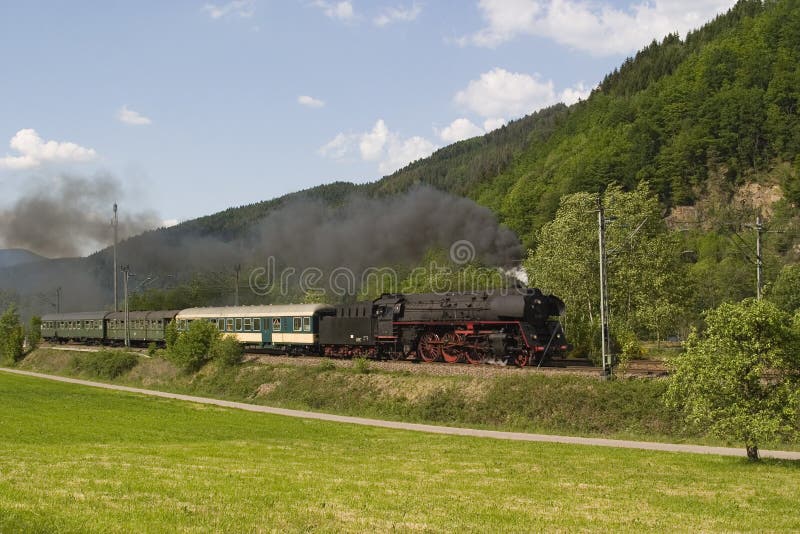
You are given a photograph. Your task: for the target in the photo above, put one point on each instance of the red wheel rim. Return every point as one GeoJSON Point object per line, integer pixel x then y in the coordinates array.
{"type": "Point", "coordinates": [476, 354]}
{"type": "Point", "coordinates": [452, 350]}
{"type": "Point", "coordinates": [429, 347]}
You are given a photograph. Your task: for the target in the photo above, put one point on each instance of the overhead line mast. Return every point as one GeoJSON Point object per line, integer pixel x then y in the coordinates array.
{"type": "Point", "coordinates": [604, 331]}
{"type": "Point", "coordinates": [115, 223]}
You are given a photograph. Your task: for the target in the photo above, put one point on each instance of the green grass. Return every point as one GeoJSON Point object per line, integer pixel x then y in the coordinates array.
{"type": "Point", "coordinates": [80, 459]}
{"type": "Point", "coordinates": [527, 402]}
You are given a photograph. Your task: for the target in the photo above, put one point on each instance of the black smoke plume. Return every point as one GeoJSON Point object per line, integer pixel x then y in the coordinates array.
{"type": "Point", "coordinates": [361, 232]}
{"type": "Point", "coordinates": [69, 216]}
{"type": "Point", "coordinates": [358, 233]}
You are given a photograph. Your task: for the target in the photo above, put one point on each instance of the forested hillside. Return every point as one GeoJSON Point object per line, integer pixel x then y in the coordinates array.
{"type": "Point", "coordinates": [722, 102]}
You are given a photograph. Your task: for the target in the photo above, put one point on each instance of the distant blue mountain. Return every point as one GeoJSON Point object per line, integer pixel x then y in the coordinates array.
{"type": "Point", "coordinates": [17, 256]}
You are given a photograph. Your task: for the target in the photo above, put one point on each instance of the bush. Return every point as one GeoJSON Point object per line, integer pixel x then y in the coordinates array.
{"type": "Point", "coordinates": [152, 349]}
{"type": "Point", "coordinates": [192, 348]}
{"type": "Point", "coordinates": [226, 350]}
{"type": "Point", "coordinates": [171, 334]}
{"type": "Point", "coordinates": [325, 366]}
{"type": "Point", "coordinates": [34, 333]}
{"type": "Point", "coordinates": [107, 364]}
{"type": "Point", "coordinates": [12, 337]}
{"type": "Point", "coordinates": [361, 366]}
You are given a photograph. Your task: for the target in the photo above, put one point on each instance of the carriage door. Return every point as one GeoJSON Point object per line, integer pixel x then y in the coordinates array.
{"type": "Point", "coordinates": [267, 329]}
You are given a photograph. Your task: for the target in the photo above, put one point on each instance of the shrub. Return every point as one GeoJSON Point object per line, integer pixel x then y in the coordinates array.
{"type": "Point", "coordinates": [171, 334]}
{"type": "Point", "coordinates": [325, 365]}
{"type": "Point", "coordinates": [34, 332]}
{"type": "Point", "coordinates": [152, 349]}
{"type": "Point", "coordinates": [107, 364]}
{"type": "Point", "coordinates": [361, 366]}
{"type": "Point", "coordinates": [226, 350]}
{"type": "Point", "coordinates": [192, 348]}
{"type": "Point", "coordinates": [12, 337]}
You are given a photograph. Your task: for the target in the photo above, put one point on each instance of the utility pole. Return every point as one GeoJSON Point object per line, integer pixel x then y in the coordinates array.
{"type": "Point", "coordinates": [237, 268]}
{"type": "Point", "coordinates": [604, 337]}
{"type": "Point", "coordinates": [759, 259]}
{"type": "Point", "coordinates": [115, 223]}
{"type": "Point", "coordinates": [126, 269]}
{"type": "Point", "coordinates": [58, 299]}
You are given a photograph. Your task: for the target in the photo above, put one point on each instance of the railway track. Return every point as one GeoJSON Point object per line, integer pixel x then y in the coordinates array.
{"type": "Point", "coordinates": [634, 368]}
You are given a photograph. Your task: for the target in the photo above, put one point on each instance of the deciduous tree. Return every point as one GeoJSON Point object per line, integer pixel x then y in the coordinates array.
{"type": "Point", "coordinates": [741, 377]}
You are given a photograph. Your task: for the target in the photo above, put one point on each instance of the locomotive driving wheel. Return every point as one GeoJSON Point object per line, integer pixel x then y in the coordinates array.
{"type": "Point", "coordinates": [429, 348]}
{"type": "Point", "coordinates": [520, 359]}
{"type": "Point", "coordinates": [453, 348]}
{"type": "Point", "coordinates": [478, 352]}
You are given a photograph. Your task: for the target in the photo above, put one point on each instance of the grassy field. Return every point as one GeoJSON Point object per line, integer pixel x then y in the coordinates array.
{"type": "Point", "coordinates": [79, 459]}
{"type": "Point", "coordinates": [516, 401]}
{"type": "Point", "coordinates": [524, 401]}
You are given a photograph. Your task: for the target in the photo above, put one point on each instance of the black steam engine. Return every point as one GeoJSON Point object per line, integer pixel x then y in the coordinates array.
{"type": "Point", "coordinates": [519, 328]}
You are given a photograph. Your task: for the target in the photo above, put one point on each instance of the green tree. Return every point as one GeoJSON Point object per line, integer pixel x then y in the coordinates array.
{"type": "Point", "coordinates": [12, 336]}
{"type": "Point", "coordinates": [226, 350]}
{"type": "Point", "coordinates": [34, 332]}
{"type": "Point", "coordinates": [202, 343]}
{"type": "Point", "coordinates": [171, 334]}
{"type": "Point", "coordinates": [785, 292]}
{"type": "Point", "coordinates": [192, 348]}
{"type": "Point", "coordinates": [741, 377]}
{"type": "Point", "coordinates": [645, 270]}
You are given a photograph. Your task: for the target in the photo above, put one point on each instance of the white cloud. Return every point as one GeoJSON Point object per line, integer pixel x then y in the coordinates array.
{"type": "Point", "coordinates": [398, 14]}
{"type": "Point", "coordinates": [33, 151]}
{"type": "Point", "coordinates": [338, 147]}
{"type": "Point", "coordinates": [166, 223]}
{"type": "Point", "coordinates": [458, 130]}
{"type": "Point", "coordinates": [401, 152]}
{"type": "Point", "coordinates": [380, 144]}
{"type": "Point", "coordinates": [594, 27]}
{"type": "Point", "coordinates": [129, 116]}
{"type": "Point", "coordinates": [491, 124]}
{"type": "Point", "coordinates": [337, 10]}
{"type": "Point", "coordinates": [571, 95]}
{"type": "Point", "coordinates": [238, 8]}
{"type": "Point", "coordinates": [310, 101]}
{"type": "Point", "coordinates": [372, 143]}
{"type": "Point", "coordinates": [500, 93]}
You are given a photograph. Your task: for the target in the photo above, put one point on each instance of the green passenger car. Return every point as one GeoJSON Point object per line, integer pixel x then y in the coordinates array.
{"type": "Point", "coordinates": [83, 326]}
{"type": "Point", "coordinates": [143, 327]}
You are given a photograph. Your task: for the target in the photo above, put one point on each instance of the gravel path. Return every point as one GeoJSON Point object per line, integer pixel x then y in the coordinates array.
{"type": "Point", "coordinates": [515, 436]}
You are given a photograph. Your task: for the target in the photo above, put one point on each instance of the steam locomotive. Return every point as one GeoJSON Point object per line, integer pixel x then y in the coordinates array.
{"type": "Point", "coordinates": [455, 327]}
{"type": "Point", "coordinates": [520, 328]}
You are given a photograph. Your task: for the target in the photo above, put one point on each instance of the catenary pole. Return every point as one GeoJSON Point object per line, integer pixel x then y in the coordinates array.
{"type": "Point", "coordinates": [759, 260]}
{"type": "Point", "coordinates": [115, 223]}
{"type": "Point", "coordinates": [604, 331]}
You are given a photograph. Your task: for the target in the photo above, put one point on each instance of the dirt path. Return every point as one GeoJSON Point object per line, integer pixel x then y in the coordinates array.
{"type": "Point", "coordinates": [433, 429]}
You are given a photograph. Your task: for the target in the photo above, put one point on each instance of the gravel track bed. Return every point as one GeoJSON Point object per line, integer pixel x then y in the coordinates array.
{"type": "Point", "coordinates": [635, 368]}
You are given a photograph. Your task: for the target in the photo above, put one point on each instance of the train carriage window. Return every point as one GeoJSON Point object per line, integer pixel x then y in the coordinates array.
{"type": "Point", "coordinates": [257, 324]}
{"type": "Point", "coordinates": [238, 325]}
{"type": "Point", "coordinates": [221, 325]}
{"type": "Point", "coordinates": [276, 324]}
{"type": "Point", "coordinates": [298, 324]}
{"type": "Point", "coordinates": [248, 324]}
{"type": "Point", "coordinates": [229, 325]}
{"type": "Point", "coordinates": [306, 324]}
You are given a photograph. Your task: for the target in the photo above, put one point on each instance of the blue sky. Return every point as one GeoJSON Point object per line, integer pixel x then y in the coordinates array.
{"type": "Point", "coordinates": [197, 106]}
